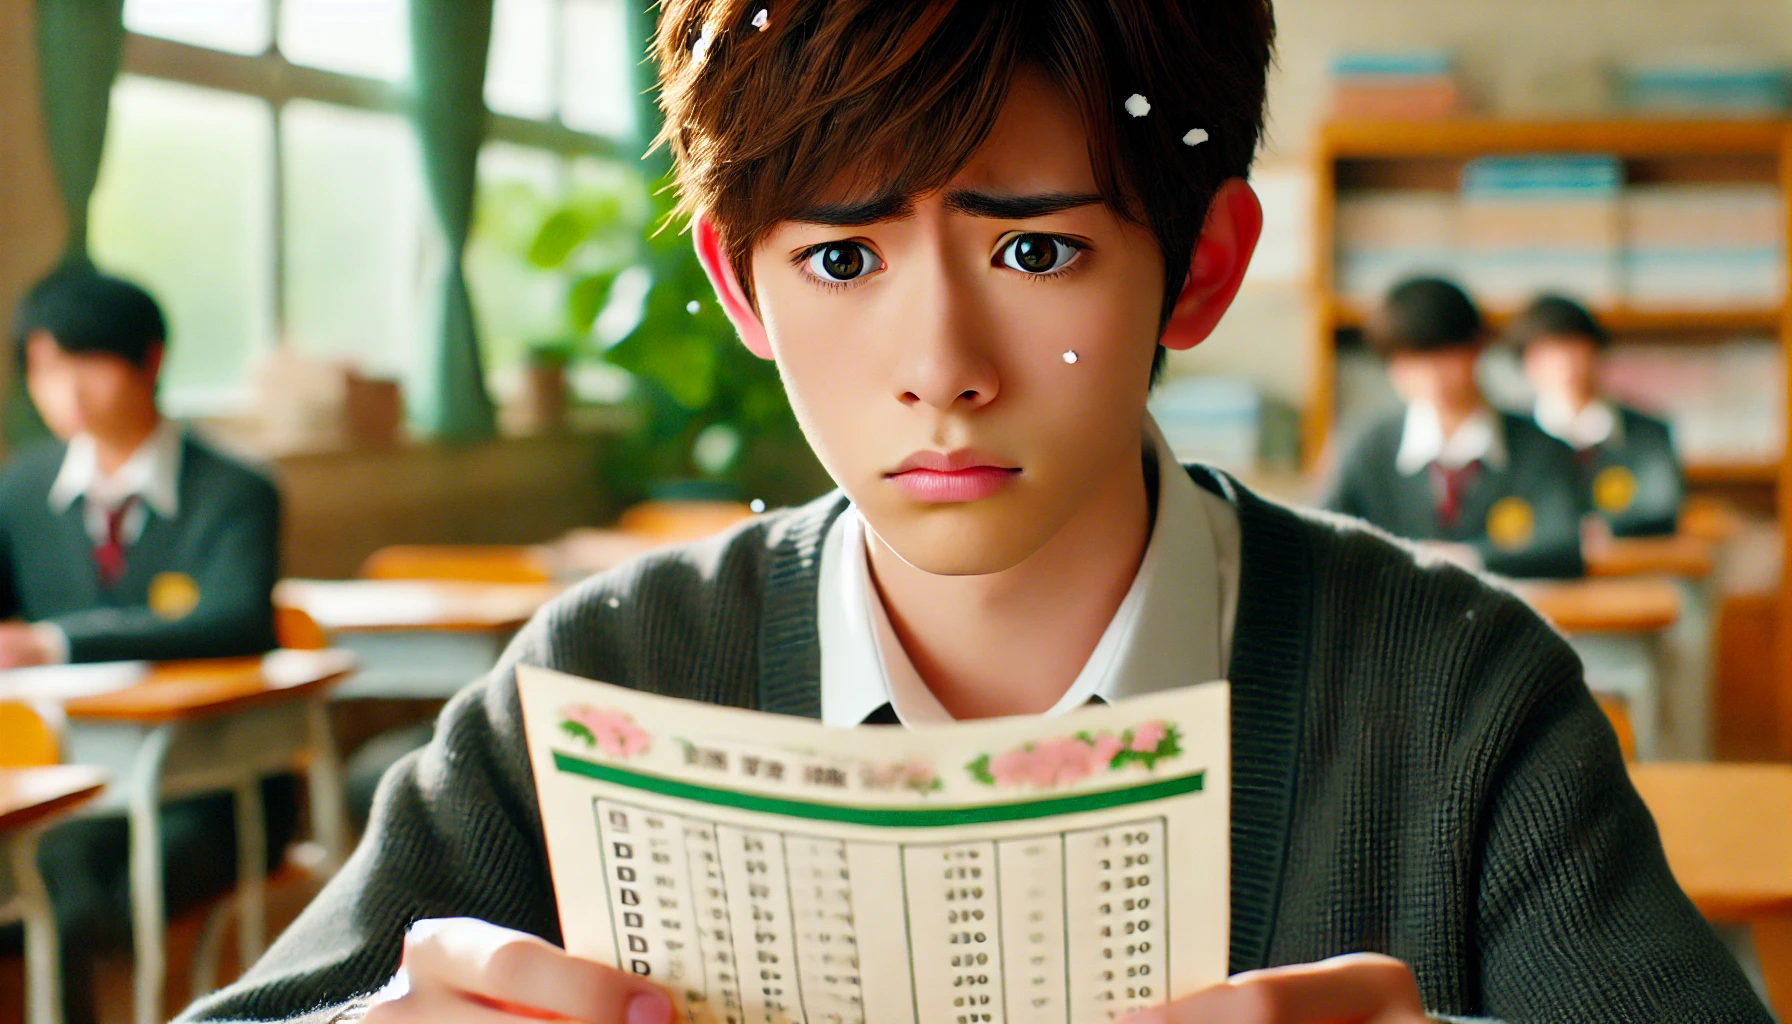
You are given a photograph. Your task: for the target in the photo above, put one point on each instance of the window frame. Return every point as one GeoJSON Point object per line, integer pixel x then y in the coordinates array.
{"type": "Point", "coordinates": [277, 81]}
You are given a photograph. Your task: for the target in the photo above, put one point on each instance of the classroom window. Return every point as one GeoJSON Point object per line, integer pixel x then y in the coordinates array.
{"type": "Point", "coordinates": [355, 225]}
{"type": "Point", "coordinates": [354, 37]}
{"type": "Point", "coordinates": [523, 64]}
{"type": "Point", "coordinates": [267, 208]}
{"type": "Point", "coordinates": [185, 205]}
{"type": "Point", "coordinates": [595, 93]}
{"type": "Point", "coordinates": [235, 26]}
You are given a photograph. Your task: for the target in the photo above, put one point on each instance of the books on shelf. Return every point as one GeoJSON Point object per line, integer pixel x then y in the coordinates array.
{"type": "Point", "coordinates": [1396, 86]}
{"type": "Point", "coordinates": [1725, 402]}
{"type": "Point", "coordinates": [1520, 226]}
{"type": "Point", "coordinates": [1532, 224]}
{"type": "Point", "coordinates": [1704, 246]}
{"type": "Point", "coordinates": [1710, 86]}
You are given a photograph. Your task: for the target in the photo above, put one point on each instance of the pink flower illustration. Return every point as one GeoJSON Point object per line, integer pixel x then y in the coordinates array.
{"type": "Point", "coordinates": [611, 731]}
{"type": "Point", "coordinates": [1065, 760]}
{"type": "Point", "coordinates": [1147, 736]}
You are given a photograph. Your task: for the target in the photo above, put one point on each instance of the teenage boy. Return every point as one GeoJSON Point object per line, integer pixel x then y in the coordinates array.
{"type": "Point", "coordinates": [127, 539]}
{"type": "Point", "coordinates": [1628, 471]}
{"type": "Point", "coordinates": [1485, 486]}
{"type": "Point", "coordinates": [961, 229]}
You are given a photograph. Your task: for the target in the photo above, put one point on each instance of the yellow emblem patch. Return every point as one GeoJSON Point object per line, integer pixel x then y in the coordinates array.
{"type": "Point", "coordinates": [173, 595]}
{"type": "Point", "coordinates": [1511, 523]}
{"type": "Point", "coordinates": [1614, 489]}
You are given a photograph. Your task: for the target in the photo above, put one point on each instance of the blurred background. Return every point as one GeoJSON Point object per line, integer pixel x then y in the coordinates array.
{"type": "Point", "coordinates": [499, 382]}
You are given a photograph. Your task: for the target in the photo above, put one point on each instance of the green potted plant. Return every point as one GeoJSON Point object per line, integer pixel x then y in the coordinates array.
{"type": "Point", "coordinates": [714, 422]}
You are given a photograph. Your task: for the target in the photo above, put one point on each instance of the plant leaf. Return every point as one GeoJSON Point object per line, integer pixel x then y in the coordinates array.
{"type": "Point", "coordinates": [560, 234]}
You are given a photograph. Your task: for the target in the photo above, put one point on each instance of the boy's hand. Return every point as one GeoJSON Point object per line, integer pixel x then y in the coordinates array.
{"type": "Point", "coordinates": [21, 646]}
{"type": "Point", "coordinates": [1362, 988]}
{"type": "Point", "coordinates": [463, 971]}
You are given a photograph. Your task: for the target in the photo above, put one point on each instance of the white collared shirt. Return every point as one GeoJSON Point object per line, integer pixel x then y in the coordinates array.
{"type": "Point", "coordinates": [1596, 423]}
{"type": "Point", "coordinates": [1480, 438]}
{"type": "Point", "coordinates": [151, 474]}
{"type": "Point", "coordinates": [1173, 628]}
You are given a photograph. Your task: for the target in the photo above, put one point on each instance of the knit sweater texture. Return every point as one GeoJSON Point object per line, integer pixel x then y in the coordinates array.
{"type": "Point", "coordinates": [1418, 769]}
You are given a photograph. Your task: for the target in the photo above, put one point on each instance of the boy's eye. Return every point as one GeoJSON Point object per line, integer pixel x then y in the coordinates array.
{"type": "Point", "coordinates": [1038, 254]}
{"type": "Point", "coordinates": [843, 261]}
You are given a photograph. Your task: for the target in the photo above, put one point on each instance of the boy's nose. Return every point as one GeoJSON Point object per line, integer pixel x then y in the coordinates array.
{"type": "Point", "coordinates": [944, 362]}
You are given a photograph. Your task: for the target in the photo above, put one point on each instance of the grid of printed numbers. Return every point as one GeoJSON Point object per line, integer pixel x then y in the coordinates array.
{"type": "Point", "coordinates": [1053, 928]}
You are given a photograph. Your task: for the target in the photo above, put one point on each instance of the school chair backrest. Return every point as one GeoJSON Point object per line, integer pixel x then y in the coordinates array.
{"type": "Point", "coordinates": [674, 522]}
{"type": "Point", "coordinates": [470, 563]}
{"type": "Point", "coordinates": [296, 630]}
{"type": "Point", "coordinates": [1619, 715]}
{"type": "Point", "coordinates": [26, 740]}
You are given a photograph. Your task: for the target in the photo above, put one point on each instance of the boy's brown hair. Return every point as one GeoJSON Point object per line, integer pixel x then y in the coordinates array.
{"type": "Point", "coordinates": [762, 121]}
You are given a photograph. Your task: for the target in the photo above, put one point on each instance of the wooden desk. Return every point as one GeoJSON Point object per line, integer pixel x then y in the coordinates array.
{"type": "Point", "coordinates": [179, 728]}
{"type": "Point", "coordinates": [416, 639]}
{"type": "Point", "coordinates": [1619, 627]}
{"type": "Point", "coordinates": [1604, 606]}
{"type": "Point", "coordinates": [1682, 556]}
{"type": "Point", "coordinates": [1727, 831]}
{"type": "Point", "coordinates": [30, 800]}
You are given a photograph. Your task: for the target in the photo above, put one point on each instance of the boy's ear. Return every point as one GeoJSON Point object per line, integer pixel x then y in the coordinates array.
{"type": "Point", "coordinates": [1216, 269]}
{"type": "Point", "coordinates": [720, 271]}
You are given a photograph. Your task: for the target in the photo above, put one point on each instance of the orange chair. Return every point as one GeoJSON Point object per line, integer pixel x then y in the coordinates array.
{"type": "Point", "coordinates": [296, 630]}
{"type": "Point", "coordinates": [672, 522]}
{"type": "Point", "coordinates": [26, 740]}
{"type": "Point", "coordinates": [472, 563]}
{"type": "Point", "coordinates": [1619, 715]}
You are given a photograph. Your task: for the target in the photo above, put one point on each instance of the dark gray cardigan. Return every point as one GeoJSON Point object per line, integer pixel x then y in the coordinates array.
{"type": "Point", "coordinates": [1418, 769]}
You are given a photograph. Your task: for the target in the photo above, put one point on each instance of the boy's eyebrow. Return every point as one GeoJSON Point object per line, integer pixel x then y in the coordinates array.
{"type": "Point", "coordinates": [992, 205]}
{"type": "Point", "coordinates": [1007, 206]}
{"type": "Point", "coordinates": [889, 206]}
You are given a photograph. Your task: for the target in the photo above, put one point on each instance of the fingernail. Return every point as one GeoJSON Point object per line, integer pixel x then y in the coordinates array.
{"type": "Point", "coordinates": [649, 1008]}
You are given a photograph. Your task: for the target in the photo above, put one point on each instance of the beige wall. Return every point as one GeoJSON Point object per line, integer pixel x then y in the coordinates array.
{"type": "Point", "coordinates": [1518, 56]}
{"type": "Point", "coordinates": [31, 226]}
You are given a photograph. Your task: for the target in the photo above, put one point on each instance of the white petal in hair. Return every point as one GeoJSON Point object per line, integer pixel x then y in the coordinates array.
{"type": "Point", "coordinates": [701, 46]}
{"type": "Point", "coordinates": [1070, 357]}
{"type": "Point", "coordinates": [1137, 106]}
{"type": "Point", "coordinates": [1195, 137]}
{"type": "Point", "coordinates": [760, 19]}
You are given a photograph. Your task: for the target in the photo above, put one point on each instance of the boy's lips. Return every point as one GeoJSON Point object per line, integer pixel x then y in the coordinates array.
{"type": "Point", "coordinates": [958, 476]}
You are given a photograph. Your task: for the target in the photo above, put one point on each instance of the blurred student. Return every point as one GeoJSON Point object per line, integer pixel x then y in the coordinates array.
{"type": "Point", "coordinates": [1485, 486]}
{"type": "Point", "coordinates": [1629, 473]}
{"type": "Point", "coordinates": [127, 538]}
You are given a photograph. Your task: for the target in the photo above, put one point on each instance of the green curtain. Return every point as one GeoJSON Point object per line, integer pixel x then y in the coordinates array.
{"type": "Point", "coordinates": [449, 41]}
{"type": "Point", "coordinates": [79, 44]}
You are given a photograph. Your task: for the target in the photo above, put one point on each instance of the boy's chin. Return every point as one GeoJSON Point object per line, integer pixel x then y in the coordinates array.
{"type": "Point", "coordinates": [962, 545]}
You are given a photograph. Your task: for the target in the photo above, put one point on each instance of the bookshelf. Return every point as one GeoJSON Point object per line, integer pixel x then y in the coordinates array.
{"type": "Point", "coordinates": [1369, 156]}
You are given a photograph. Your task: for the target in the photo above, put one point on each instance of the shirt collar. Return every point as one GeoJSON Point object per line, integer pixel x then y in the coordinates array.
{"type": "Point", "coordinates": [1169, 630]}
{"type": "Point", "coordinates": [1595, 424]}
{"type": "Point", "coordinates": [152, 473]}
{"type": "Point", "coordinates": [1480, 438]}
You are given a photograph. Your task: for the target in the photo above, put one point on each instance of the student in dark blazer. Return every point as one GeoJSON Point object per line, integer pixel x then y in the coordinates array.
{"type": "Point", "coordinates": [128, 538]}
{"type": "Point", "coordinates": [1629, 473]}
{"type": "Point", "coordinates": [1488, 486]}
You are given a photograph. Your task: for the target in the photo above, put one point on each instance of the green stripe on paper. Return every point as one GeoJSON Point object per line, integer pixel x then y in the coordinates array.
{"type": "Point", "coordinates": [884, 817]}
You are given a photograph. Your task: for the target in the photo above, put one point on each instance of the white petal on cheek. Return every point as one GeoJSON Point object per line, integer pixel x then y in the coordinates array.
{"type": "Point", "coordinates": [1070, 357]}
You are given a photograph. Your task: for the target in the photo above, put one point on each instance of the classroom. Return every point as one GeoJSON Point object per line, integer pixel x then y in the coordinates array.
{"type": "Point", "coordinates": [380, 375]}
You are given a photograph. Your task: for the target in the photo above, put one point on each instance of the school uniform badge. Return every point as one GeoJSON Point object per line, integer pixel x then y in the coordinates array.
{"type": "Point", "coordinates": [1614, 489]}
{"type": "Point", "coordinates": [173, 595]}
{"type": "Point", "coordinates": [1511, 523]}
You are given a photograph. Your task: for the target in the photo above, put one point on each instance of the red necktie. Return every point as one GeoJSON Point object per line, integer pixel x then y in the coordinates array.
{"type": "Point", "coordinates": [108, 557]}
{"type": "Point", "coordinates": [1447, 488]}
